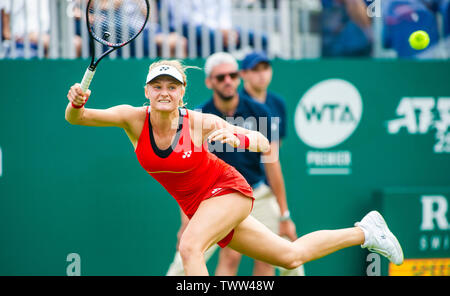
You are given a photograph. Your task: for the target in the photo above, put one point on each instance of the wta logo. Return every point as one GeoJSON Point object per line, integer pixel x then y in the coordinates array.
{"type": "Point", "coordinates": [328, 113]}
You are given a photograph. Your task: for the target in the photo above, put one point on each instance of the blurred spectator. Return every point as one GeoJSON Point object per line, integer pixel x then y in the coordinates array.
{"type": "Point", "coordinates": [214, 15]}
{"type": "Point", "coordinates": [265, 3]}
{"type": "Point", "coordinates": [444, 9]}
{"type": "Point", "coordinates": [77, 14]}
{"type": "Point", "coordinates": [24, 19]}
{"type": "Point", "coordinates": [172, 39]}
{"type": "Point", "coordinates": [346, 29]}
{"type": "Point", "coordinates": [4, 21]}
{"type": "Point", "coordinates": [432, 4]}
{"type": "Point", "coordinates": [4, 31]}
{"type": "Point", "coordinates": [401, 19]}
{"type": "Point", "coordinates": [132, 11]}
{"type": "Point", "coordinates": [441, 7]}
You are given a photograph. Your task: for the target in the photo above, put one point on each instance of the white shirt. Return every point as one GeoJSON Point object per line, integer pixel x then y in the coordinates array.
{"type": "Point", "coordinates": [27, 15]}
{"type": "Point", "coordinates": [5, 4]}
{"type": "Point", "coordinates": [133, 12]}
{"type": "Point", "coordinates": [215, 14]}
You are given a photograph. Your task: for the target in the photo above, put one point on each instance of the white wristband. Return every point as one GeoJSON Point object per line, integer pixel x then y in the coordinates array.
{"type": "Point", "coordinates": [286, 216]}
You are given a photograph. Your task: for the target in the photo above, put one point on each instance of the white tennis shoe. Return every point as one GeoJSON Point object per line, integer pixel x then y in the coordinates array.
{"type": "Point", "coordinates": [379, 239]}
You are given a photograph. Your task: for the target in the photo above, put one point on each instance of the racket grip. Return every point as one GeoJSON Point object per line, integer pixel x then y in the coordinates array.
{"type": "Point", "coordinates": [87, 78]}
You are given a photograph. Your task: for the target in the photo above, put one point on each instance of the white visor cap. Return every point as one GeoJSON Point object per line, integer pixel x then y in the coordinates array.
{"type": "Point", "coordinates": [165, 70]}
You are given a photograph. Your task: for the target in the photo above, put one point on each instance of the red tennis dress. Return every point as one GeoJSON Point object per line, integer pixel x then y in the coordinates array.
{"type": "Point", "coordinates": [189, 173]}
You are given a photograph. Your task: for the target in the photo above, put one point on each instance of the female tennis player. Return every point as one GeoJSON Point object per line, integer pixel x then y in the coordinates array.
{"type": "Point", "coordinates": [171, 145]}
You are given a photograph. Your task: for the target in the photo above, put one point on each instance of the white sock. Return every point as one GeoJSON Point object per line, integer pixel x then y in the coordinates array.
{"type": "Point", "coordinates": [366, 235]}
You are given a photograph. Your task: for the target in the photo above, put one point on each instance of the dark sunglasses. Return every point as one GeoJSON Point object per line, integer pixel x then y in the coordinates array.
{"type": "Point", "coordinates": [222, 77]}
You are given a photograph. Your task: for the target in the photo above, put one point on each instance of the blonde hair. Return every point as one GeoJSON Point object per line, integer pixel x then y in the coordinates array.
{"type": "Point", "coordinates": [177, 65]}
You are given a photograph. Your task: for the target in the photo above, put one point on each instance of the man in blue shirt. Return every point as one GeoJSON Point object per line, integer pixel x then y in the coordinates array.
{"type": "Point", "coordinates": [346, 29]}
{"type": "Point", "coordinates": [257, 73]}
{"type": "Point", "coordinates": [222, 77]}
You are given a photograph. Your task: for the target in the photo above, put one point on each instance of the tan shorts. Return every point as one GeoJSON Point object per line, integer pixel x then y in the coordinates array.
{"type": "Point", "coordinates": [265, 208]}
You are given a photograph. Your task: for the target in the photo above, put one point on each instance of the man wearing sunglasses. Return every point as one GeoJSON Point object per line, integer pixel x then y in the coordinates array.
{"type": "Point", "coordinates": [222, 77]}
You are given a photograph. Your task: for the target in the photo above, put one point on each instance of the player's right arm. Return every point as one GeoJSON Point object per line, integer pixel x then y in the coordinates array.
{"type": "Point", "coordinates": [114, 116]}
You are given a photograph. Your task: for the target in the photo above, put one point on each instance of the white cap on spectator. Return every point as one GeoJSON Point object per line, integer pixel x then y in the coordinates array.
{"type": "Point", "coordinates": [165, 70]}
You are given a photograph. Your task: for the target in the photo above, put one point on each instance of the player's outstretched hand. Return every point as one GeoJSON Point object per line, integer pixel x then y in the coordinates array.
{"type": "Point", "coordinates": [77, 97]}
{"type": "Point", "coordinates": [225, 136]}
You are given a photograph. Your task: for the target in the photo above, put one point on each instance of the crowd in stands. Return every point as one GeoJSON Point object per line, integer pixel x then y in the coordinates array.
{"type": "Point", "coordinates": [346, 26]}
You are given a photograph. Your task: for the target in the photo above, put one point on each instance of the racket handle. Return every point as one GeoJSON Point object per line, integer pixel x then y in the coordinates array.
{"type": "Point", "coordinates": [87, 78]}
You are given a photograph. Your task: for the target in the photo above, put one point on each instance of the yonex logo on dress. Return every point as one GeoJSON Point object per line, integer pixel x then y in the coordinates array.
{"type": "Point", "coordinates": [187, 154]}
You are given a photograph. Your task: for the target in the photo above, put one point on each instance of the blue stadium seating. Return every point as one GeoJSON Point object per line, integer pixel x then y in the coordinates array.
{"type": "Point", "coordinates": [444, 8]}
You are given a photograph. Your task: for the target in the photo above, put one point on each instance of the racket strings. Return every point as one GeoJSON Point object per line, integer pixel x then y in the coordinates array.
{"type": "Point", "coordinates": [115, 23]}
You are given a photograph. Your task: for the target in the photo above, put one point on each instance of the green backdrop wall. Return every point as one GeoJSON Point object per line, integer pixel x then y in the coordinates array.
{"type": "Point", "coordinates": [70, 189]}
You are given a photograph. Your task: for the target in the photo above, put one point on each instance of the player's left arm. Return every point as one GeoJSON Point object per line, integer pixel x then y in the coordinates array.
{"type": "Point", "coordinates": [215, 128]}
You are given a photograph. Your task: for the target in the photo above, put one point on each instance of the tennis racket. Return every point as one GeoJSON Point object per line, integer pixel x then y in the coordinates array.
{"type": "Point", "coordinates": [113, 23]}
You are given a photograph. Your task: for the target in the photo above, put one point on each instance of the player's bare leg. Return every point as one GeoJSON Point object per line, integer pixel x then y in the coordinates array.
{"type": "Point", "coordinates": [214, 219]}
{"type": "Point", "coordinates": [255, 240]}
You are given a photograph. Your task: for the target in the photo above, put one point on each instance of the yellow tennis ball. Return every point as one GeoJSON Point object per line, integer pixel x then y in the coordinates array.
{"type": "Point", "coordinates": [419, 40]}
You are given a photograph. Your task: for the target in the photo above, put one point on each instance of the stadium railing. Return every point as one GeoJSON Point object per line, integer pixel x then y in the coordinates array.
{"type": "Point", "coordinates": [287, 29]}
{"type": "Point", "coordinates": [282, 27]}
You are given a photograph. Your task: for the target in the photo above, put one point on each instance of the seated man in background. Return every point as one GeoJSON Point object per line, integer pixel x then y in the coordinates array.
{"type": "Point", "coordinates": [152, 33]}
{"type": "Point", "coordinates": [207, 18]}
{"type": "Point", "coordinates": [346, 29]}
{"type": "Point", "coordinates": [26, 21]}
